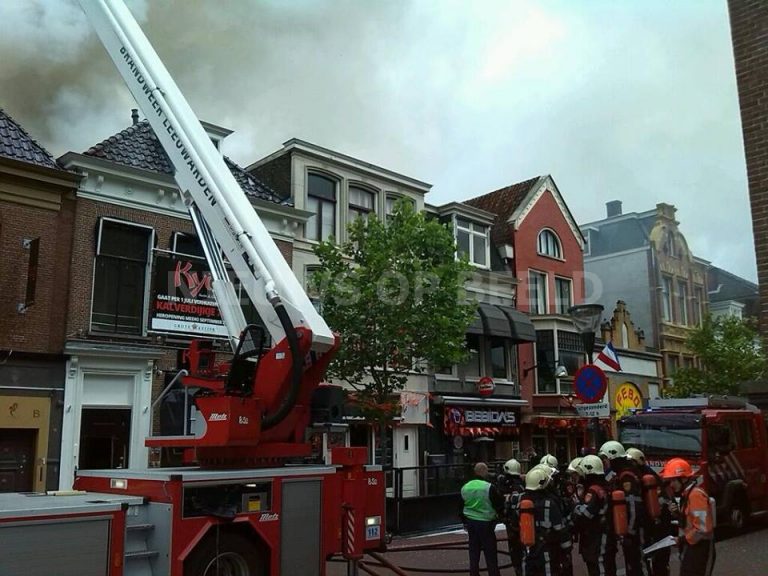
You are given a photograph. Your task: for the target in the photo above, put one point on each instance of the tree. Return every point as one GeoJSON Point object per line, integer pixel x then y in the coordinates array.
{"type": "Point", "coordinates": [730, 352]}
{"type": "Point", "coordinates": [395, 294]}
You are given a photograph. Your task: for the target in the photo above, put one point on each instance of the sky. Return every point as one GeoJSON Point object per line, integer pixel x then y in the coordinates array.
{"type": "Point", "coordinates": [617, 100]}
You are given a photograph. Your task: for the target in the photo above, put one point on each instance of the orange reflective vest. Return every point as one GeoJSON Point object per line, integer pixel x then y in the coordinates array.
{"type": "Point", "coordinates": [699, 523]}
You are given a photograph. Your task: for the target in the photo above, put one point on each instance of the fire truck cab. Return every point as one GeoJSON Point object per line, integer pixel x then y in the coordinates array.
{"type": "Point", "coordinates": [724, 439]}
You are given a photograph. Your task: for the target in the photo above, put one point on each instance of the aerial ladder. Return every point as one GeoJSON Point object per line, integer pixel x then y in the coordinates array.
{"type": "Point", "coordinates": [248, 508]}
{"type": "Point", "coordinates": [256, 406]}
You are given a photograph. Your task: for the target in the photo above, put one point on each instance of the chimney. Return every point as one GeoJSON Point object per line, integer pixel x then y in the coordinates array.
{"type": "Point", "coordinates": [613, 208]}
{"type": "Point", "coordinates": [135, 115]}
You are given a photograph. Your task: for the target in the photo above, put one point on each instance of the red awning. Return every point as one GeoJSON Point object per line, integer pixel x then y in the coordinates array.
{"type": "Point", "coordinates": [476, 431]}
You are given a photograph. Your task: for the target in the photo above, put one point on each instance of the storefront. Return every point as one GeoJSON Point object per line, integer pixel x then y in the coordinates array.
{"type": "Point", "coordinates": [471, 429]}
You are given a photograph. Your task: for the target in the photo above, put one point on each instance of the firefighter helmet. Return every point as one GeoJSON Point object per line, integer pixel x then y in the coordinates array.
{"type": "Point", "coordinates": [591, 464]}
{"type": "Point", "coordinates": [574, 468]}
{"type": "Point", "coordinates": [537, 478]}
{"type": "Point", "coordinates": [636, 455]}
{"type": "Point", "coordinates": [612, 449]}
{"type": "Point", "coordinates": [512, 467]}
{"type": "Point", "coordinates": [549, 460]}
{"type": "Point", "coordinates": [676, 468]}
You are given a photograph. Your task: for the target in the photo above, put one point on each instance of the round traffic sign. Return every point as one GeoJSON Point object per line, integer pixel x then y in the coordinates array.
{"type": "Point", "coordinates": [485, 386]}
{"type": "Point", "coordinates": [590, 383]}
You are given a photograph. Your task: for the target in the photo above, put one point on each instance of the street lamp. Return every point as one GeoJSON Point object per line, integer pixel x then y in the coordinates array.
{"type": "Point", "coordinates": [586, 319]}
{"type": "Point", "coordinates": [560, 370]}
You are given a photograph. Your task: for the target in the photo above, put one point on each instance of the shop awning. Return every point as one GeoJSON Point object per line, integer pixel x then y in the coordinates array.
{"type": "Point", "coordinates": [503, 322]}
{"type": "Point", "coordinates": [478, 431]}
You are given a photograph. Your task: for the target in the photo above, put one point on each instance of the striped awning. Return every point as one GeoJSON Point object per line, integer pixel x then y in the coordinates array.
{"type": "Point", "coordinates": [477, 431]}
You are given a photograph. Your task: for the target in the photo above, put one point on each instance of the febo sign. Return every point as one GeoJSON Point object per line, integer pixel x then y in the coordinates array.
{"type": "Point", "coordinates": [590, 383]}
{"type": "Point", "coordinates": [628, 398]}
{"type": "Point", "coordinates": [485, 386]}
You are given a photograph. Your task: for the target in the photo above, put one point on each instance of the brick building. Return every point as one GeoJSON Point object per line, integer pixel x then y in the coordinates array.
{"type": "Point", "coordinates": [543, 248]}
{"type": "Point", "coordinates": [749, 21]}
{"type": "Point", "coordinates": [36, 218]}
{"type": "Point", "coordinates": [132, 237]}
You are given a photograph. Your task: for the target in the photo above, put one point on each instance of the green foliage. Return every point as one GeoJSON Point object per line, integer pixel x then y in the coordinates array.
{"type": "Point", "coordinates": [395, 294]}
{"type": "Point", "coordinates": [730, 352]}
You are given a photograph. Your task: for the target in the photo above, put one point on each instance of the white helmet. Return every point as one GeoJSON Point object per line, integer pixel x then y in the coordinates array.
{"type": "Point", "coordinates": [537, 478]}
{"type": "Point", "coordinates": [636, 455]}
{"type": "Point", "coordinates": [512, 467]}
{"type": "Point", "coordinates": [612, 449]}
{"type": "Point", "coordinates": [591, 464]}
{"type": "Point", "coordinates": [574, 468]}
{"type": "Point", "coordinates": [549, 460]}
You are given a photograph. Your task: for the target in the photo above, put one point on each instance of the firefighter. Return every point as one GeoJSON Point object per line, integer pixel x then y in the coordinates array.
{"type": "Point", "coordinates": [609, 452]}
{"type": "Point", "coordinates": [575, 485]}
{"type": "Point", "coordinates": [549, 553]}
{"type": "Point", "coordinates": [482, 505]}
{"type": "Point", "coordinates": [550, 461]}
{"type": "Point", "coordinates": [659, 525]}
{"type": "Point", "coordinates": [629, 475]}
{"type": "Point", "coordinates": [696, 539]}
{"type": "Point", "coordinates": [597, 542]}
{"type": "Point", "coordinates": [511, 487]}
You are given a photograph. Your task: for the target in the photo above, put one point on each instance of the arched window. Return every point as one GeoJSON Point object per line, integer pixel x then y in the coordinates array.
{"type": "Point", "coordinates": [549, 244]}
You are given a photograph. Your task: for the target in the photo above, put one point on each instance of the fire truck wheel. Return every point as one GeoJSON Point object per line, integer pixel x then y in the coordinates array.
{"type": "Point", "coordinates": [224, 554]}
{"type": "Point", "coordinates": [739, 515]}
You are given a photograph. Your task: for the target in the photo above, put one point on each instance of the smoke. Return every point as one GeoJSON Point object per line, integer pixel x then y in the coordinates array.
{"type": "Point", "coordinates": [325, 71]}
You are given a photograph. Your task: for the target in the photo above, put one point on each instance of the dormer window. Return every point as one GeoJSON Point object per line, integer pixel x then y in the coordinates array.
{"type": "Point", "coordinates": [549, 244]}
{"type": "Point", "coordinates": [472, 240]}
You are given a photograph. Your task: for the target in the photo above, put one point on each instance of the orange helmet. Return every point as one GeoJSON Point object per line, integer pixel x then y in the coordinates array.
{"type": "Point", "coordinates": [676, 468]}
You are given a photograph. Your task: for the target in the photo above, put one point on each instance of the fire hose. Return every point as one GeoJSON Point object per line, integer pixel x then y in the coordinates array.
{"type": "Point", "coordinates": [379, 560]}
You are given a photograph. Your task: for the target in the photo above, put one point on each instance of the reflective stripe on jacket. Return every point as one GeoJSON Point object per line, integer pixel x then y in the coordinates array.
{"type": "Point", "coordinates": [477, 500]}
{"type": "Point", "coordinates": [698, 516]}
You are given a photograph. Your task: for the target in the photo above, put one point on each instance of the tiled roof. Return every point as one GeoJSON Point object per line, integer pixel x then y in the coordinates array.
{"type": "Point", "coordinates": [137, 146]}
{"type": "Point", "coordinates": [15, 143]}
{"type": "Point", "coordinates": [503, 203]}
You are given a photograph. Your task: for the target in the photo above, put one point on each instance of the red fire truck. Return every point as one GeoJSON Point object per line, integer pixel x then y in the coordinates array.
{"type": "Point", "coordinates": [723, 438]}
{"type": "Point", "coordinates": [245, 508]}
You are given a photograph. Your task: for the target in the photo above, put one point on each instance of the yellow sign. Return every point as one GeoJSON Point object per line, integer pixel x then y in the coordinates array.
{"type": "Point", "coordinates": [628, 397]}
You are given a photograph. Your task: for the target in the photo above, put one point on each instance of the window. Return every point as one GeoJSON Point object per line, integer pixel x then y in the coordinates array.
{"type": "Point", "coordinates": [187, 244]}
{"type": "Point", "coordinates": [549, 244]}
{"type": "Point", "coordinates": [682, 302]}
{"type": "Point", "coordinates": [471, 366]}
{"type": "Point", "coordinates": [499, 358]}
{"type": "Point", "coordinates": [362, 202]}
{"type": "Point", "coordinates": [562, 295]}
{"type": "Point", "coordinates": [545, 361]}
{"type": "Point", "coordinates": [698, 299]}
{"type": "Point", "coordinates": [666, 298]}
{"type": "Point", "coordinates": [673, 365]}
{"type": "Point", "coordinates": [321, 201]}
{"type": "Point", "coordinates": [393, 199]}
{"type": "Point", "coordinates": [537, 292]}
{"type": "Point", "coordinates": [472, 240]}
{"type": "Point", "coordinates": [120, 277]}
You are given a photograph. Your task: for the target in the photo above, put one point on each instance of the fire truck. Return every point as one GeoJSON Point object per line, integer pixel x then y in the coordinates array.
{"type": "Point", "coordinates": [244, 504]}
{"type": "Point", "coordinates": [723, 438]}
